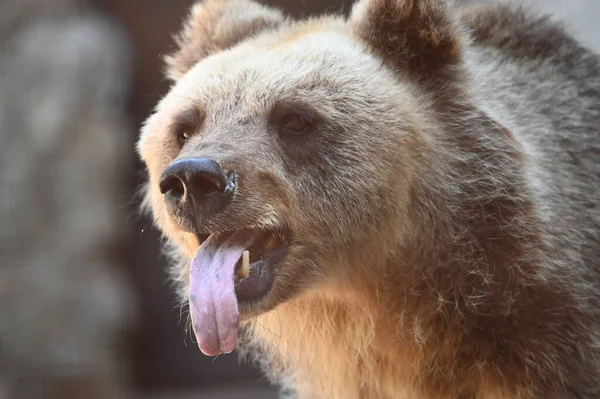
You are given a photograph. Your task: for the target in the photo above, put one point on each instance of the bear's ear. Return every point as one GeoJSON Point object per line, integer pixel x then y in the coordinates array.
{"type": "Point", "coordinates": [415, 35]}
{"type": "Point", "coordinates": [216, 25]}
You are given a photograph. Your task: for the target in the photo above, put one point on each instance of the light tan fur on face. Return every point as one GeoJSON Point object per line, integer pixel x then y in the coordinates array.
{"type": "Point", "coordinates": [426, 260]}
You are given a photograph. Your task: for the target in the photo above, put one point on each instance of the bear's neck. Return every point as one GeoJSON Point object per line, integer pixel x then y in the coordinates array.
{"type": "Point", "coordinates": [329, 344]}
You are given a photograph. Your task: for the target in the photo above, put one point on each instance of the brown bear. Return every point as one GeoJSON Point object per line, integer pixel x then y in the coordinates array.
{"type": "Point", "coordinates": [401, 203]}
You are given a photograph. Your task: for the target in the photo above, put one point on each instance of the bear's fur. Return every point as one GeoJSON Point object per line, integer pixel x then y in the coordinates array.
{"type": "Point", "coordinates": [444, 205]}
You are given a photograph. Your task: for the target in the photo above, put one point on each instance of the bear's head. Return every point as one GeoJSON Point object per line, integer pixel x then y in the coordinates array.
{"type": "Point", "coordinates": [309, 143]}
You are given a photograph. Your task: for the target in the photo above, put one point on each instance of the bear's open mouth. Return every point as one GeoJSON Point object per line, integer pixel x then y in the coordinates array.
{"type": "Point", "coordinates": [229, 269]}
{"type": "Point", "coordinates": [264, 251]}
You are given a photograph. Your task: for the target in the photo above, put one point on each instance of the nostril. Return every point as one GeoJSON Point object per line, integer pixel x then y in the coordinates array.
{"type": "Point", "coordinates": [172, 185]}
{"type": "Point", "coordinates": [208, 183]}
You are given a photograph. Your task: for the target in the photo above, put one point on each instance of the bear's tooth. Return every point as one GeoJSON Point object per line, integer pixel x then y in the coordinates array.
{"type": "Point", "coordinates": [245, 269]}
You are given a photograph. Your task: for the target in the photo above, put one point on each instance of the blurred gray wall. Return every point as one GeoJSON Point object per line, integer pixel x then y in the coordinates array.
{"type": "Point", "coordinates": [63, 303]}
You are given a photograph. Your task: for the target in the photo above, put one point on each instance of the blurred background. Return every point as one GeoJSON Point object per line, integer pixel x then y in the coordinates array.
{"type": "Point", "coordinates": [86, 310]}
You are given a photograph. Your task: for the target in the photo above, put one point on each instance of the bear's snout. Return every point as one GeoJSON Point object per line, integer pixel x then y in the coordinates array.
{"type": "Point", "coordinates": [195, 189]}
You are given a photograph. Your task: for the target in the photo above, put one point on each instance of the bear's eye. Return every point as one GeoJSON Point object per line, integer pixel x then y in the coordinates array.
{"type": "Point", "coordinates": [186, 125]}
{"type": "Point", "coordinates": [293, 124]}
{"type": "Point", "coordinates": [184, 135]}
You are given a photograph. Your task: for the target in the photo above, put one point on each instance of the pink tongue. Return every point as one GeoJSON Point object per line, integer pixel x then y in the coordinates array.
{"type": "Point", "coordinates": [213, 303]}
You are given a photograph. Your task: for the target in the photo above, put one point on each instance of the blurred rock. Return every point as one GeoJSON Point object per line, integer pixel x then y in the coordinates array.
{"type": "Point", "coordinates": [64, 147]}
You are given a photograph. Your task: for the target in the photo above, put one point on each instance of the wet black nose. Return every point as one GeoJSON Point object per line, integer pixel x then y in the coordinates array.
{"type": "Point", "coordinates": [191, 187]}
{"type": "Point", "coordinates": [201, 175]}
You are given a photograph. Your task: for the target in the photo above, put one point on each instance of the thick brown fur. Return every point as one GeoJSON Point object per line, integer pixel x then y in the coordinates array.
{"type": "Point", "coordinates": [444, 207]}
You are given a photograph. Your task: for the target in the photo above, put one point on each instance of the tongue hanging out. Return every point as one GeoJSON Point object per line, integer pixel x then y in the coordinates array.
{"type": "Point", "coordinates": [216, 285]}
{"type": "Point", "coordinates": [213, 301]}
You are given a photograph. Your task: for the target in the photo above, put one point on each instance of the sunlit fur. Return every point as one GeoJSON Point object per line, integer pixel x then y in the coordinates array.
{"type": "Point", "coordinates": [444, 211]}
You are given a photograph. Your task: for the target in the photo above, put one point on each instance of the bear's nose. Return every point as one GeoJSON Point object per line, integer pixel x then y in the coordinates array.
{"type": "Point", "coordinates": [194, 176]}
{"type": "Point", "coordinates": [195, 188]}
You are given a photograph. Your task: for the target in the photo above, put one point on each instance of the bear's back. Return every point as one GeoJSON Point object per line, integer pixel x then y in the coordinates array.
{"type": "Point", "coordinates": [544, 86]}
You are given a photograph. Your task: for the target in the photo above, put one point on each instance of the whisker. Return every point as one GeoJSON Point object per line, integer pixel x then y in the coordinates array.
{"type": "Point", "coordinates": [265, 85]}
{"type": "Point", "coordinates": [279, 316]}
{"type": "Point", "coordinates": [298, 306]}
{"type": "Point", "coordinates": [266, 329]}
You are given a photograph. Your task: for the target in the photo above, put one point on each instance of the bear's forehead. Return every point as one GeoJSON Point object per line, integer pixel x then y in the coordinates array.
{"type": "Point", "coordinates": [279, 64]}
